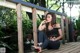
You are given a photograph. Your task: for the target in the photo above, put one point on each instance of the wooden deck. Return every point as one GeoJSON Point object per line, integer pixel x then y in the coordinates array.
{"type": "Point", "coordinates": [73, 47]}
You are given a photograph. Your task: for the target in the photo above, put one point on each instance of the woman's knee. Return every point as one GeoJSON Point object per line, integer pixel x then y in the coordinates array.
{"type": "Point", "coordinates": [40, 32]}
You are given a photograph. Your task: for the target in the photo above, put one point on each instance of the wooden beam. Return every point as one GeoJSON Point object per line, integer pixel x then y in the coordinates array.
{"type": "Point", "coordinates": [62, 26]}
{"type": "Point", "coordinates": [37, 7]}
{"type": "Point", "coordinates": [24, 8]}
{"type": "Point", "coordinates": [19, 26]}
{"type": "Point", "coordinates": [67, 31]}
{"type": "Point", "coordinates": [29, 5]}
{"type": "Point", "coordinates": [34, 26]}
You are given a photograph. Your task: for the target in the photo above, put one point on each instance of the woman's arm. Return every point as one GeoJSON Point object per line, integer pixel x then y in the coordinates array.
{"type": "Point", "coordinates": [42, 26]}
{"type": "Point", "coordinates": [60, 32]}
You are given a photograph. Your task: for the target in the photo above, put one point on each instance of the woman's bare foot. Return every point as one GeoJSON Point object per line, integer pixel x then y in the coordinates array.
{"type": "Point", "coordinates": [38, 49]}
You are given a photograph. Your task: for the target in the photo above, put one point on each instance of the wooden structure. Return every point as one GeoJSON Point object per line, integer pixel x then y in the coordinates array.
{"type": "Point", "coordinates": [20, 5]}
{"type": "Point", "coordinates": [71, 47]}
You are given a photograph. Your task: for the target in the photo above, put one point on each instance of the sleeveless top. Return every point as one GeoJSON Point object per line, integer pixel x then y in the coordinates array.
{"type": "Point", "coordinates": [53, 33]}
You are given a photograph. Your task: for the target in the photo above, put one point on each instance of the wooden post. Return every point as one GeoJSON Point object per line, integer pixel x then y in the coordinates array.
{"type": "Point", "coordinates": [34, 26]}
{"type": "Point", "coordinates": [62, 25]}
{"type": "Point", "coordinates": [67, 31]}
{"type": "Point", "coordinates": [19, 26]}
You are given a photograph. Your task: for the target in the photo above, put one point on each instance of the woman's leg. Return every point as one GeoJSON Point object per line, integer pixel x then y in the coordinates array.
{"type": "Point", "coordinates": [42, 38]}
{"type": "Point", "coordinates": [54, 45]}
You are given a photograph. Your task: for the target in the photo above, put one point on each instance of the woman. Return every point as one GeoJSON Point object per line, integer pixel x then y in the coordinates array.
{"type": "Point", "coordinates": [49, 33]}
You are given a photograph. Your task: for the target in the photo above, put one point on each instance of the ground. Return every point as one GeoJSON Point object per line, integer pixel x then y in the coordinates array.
{"type": "Point", "coordinates": [72, 47]}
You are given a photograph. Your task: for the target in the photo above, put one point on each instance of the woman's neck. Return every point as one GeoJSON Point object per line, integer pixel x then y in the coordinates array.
{"type": "Point", "coordinates": [49, 24]}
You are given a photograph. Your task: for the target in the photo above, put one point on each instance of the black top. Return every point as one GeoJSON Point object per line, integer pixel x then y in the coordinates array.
{"type": "Point", "coordinates": [54, 32]}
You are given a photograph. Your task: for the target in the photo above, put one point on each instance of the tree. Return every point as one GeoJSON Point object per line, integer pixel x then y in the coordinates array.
{"type": "Point", "coordinates": [78, 24]}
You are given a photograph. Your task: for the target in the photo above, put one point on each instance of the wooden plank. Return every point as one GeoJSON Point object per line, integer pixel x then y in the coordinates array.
{"type": "Point", "coordinates": [67, 31]}
{"type": "Point", "coordinates": [62, 48]}
{"type": "Point", "coordinates": [62, 26]}
{"type": "Point", "coordinates": [24, 8]}
{"type": "Point", "coordinates": [19, 27]}
{"type": "Point", "coordinates": [72, 47]}
{"type": "Point", "coordinates": [75, 50]}
{"type": "Point", "coordinates": [34, 26]}
{"type": "Point", "coordinates": [37, 7]}
{"type": "Point", "coordinates": [67, 48]}
{"type": "Point", "coordinates": [28, 5]}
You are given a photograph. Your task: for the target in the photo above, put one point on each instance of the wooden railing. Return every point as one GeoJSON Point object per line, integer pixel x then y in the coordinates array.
{"type": "Point", "coordinates": [20, 5]}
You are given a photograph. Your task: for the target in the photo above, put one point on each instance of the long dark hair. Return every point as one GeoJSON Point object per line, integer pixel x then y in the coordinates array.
{"type": "Point", "coordinates": [53, 21]}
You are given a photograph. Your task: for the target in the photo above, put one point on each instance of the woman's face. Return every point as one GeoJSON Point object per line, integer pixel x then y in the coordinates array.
{"type": "Point", "coordinates": [49, 18]}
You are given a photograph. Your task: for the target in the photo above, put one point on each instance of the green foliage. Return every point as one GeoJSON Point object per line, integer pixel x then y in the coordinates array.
{"type": "Point", "coordinates": [27, 26]}
{"type": "Point", "coordinates": [58, 20]}
{"type": "Point", "coordinates": [7, 17]}
{"type": "Point", "coordinates": [38, 22]}
{"type": "Point", "coordinates": [78, 25]}
{"type": "Point", "coordinates": [8, 27]}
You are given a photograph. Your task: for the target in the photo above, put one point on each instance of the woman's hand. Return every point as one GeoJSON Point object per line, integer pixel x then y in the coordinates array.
{"type": "Point", "coordinates": [53, 38]}
{"type": "Point", "coordinates": [44, 22]}
{"type": "Point", "coordinates": [42, 26]}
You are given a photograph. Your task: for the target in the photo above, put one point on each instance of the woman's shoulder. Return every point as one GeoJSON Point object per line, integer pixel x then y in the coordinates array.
{"type": "Point", "coordinates": [57, 25]}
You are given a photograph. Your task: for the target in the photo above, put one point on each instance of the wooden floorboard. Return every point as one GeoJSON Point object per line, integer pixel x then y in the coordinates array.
{"type": "Point", "coordinates": [72, 47]}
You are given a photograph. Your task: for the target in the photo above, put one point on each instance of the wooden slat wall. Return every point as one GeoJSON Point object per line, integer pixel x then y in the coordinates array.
{"type": "Point", "coordinates": [19, 27]}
